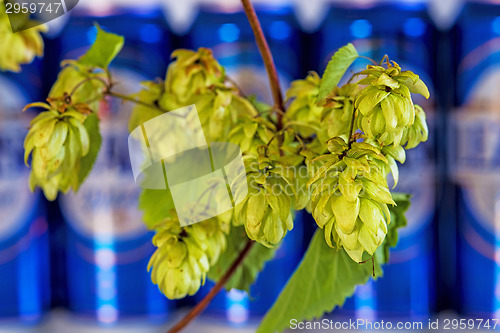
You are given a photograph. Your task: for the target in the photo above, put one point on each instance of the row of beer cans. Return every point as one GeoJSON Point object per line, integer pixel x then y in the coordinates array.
{"type": "Point", "coordinates": [88, 251]}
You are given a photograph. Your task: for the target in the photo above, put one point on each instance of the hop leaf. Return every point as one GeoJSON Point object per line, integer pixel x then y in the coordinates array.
{"type": "Point", "coordinates": [184, 255]}
{"type": "Point", "coordinates": [21, 47]}
{"type": "Point", "coordinates": [336, 68]}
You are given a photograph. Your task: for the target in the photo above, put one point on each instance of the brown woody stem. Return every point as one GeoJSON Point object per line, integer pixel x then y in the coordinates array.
{"type": "Point", "coordinates": [213, 292]}
{"type": "Point", "coordinates": [267, 57]}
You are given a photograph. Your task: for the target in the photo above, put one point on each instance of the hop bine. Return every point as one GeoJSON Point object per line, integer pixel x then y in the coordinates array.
{"type": "Point", "coordinates": [184, 255]}
{"type": "Point", "coordinates": [57, 140]}
{"type": "Point", "coordinates": [350, 197]}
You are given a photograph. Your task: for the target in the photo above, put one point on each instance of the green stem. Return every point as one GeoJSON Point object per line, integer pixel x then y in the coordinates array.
{"type": "Point", "coordinates": [351, 129]}
{"type": "Point", "coordinates": [81, 83]}
{"type": "Point", "coordinates": [133, 100]}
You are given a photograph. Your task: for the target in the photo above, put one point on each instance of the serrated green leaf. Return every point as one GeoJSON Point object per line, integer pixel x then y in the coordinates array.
{"type": "Point", "coordinates": [247, 272]}
{"type": "Point", "coordinates": [323, 280]}
{"type": "Point", "coordinates": [91, 125]}
{"type": "Point", "coordinates": [336, 68]}
{"type": "Point", "coordinates": [105, 48]}
{"type": "Point", "coordinates": [156, 205]}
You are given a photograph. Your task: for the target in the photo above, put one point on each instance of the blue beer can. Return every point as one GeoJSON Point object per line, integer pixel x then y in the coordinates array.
{"type": "Point", "coordinates": [403, 31]}
{"type": "Point", "coordinates": [224, 28]}
{"type": "Point", "coordinates": [107, 246]}
{"type": "Point", "coordinates": [475, 156]}
{"type": "Point", "coordinates": [24, 237]}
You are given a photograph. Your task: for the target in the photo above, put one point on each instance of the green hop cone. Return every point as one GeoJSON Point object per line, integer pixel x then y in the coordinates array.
{"type": "Point", "coordinates": [416, 133]}
{"type": "Point", "coordinates": [338, 108]}
{"type": "Point", "coordinates": [85, 84]}
{"type": "Point", "coordinates": [150, 93]}
{"type": "Point", "coordinates": [20, 47]}
{"type": "Point", "coordinates": [184, 255]}
{"type": "Point", "coordinates": [303, 113]}
{"type": "Point", "coordinates": [266, 210]}
{"type": "Point", "coordinates": [385, 106]}
{"type": "Point", "coordinates": [393, 154]}
{"type": "Point", "coordinates": [57, 140]}
{"type": "Point", "coordinates": [192, 73]}
{"type": "Point", "coordinates": [350, 196]}
{"type": "Point", "coordinates": [220, 109]}
{"type": "Point", "coordinates": [251, 132]}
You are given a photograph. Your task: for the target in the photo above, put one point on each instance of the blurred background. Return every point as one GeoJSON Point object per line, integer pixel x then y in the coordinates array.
{"type": "Point", "coordinates": [80, 263]}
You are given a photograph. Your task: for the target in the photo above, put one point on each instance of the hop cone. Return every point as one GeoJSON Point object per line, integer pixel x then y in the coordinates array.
{"type": "Point", "coordinates": [350, 198]}
{"type": "Point", "coordinates": [416, 133]}
{"type": "Point", "coordinates": [251, 132]}
{"type": "Point", "coordinates": [385, 105]}
{"type": "Point", "coordinates": [337, 112]}
{"type": "Point", "coordinates": [195, 78]}
{"type": "Point", "coordinates": [57, 141]}
{"type": "Point", "coordinates": [219, 111]}
{"type": "Point", "coordinates": [303, 112]}
{"type": "Point", "coordinates": [20, 47]}
{"type": "Point", "coordinates": [266, 210]}
{"type": "Point", "coordinates": [184, 255]}
{"type": "Point", "coordinates": [192, 73]}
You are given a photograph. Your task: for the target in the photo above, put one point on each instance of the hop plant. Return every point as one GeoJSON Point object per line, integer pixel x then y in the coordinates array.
{"type": "Point", "coordinates": [350, 198]}
{"type": "Point", "coordinates": [385, 106]}
{"type": "Point", "coordinates": [348, 138]}
{"type": "Point", "coordinates": [184, 255]}
{"type": "Point", "coordinates": [57, 140]}
{"type": "Point", "coordinates": [20, 47]}
{"type": "Point", "coordinates": [266, 211]}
